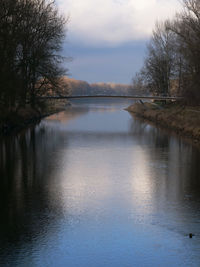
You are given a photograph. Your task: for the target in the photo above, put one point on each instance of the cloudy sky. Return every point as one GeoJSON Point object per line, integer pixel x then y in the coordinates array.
{"type": "Point", "coordinates": [107, 38]}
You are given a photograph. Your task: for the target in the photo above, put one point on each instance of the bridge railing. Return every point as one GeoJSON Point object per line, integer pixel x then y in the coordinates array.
{"type": "Point", "coordinates": [113, 96]}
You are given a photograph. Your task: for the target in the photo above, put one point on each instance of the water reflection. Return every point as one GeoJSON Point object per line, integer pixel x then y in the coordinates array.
{"type": "Point", "coordinates": [27, 204]}
{"type": "Point", "coordinates": [90, 187]}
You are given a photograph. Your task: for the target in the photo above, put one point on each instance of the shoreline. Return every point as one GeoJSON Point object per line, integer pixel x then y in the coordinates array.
{"type": "Point", "coordinates": [182, 120]}
{"type": "Point", "coordinates": [14, 122]}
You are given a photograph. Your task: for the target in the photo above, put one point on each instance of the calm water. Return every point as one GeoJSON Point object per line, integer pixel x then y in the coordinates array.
{"type": "Point", "coordinates": [92, 187]}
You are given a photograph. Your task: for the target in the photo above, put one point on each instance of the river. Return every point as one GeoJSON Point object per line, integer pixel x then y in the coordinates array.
{"type": "Point", "coordinates": [93, 187]}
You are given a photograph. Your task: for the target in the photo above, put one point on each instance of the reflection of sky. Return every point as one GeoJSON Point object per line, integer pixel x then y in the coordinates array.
{"type": "Point", "coordinates": [122, 157]}
{"type": "Point", "coordinates": [118, 194]}
{"type": "Point", "coordinates": [85, 178]}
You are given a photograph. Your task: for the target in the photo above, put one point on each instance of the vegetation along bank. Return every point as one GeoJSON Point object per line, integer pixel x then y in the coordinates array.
{"type": "Point", "coordinates": [172, 68]}
{"type": "Point", "coordinates": [16, 120]}
{"type": "Point", "coordinates": [184, 120]}
{"type": "Point", "coordinates": [31, 37]}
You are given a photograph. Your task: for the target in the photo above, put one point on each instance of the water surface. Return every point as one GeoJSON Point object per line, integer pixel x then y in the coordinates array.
{"type": "Point", "coordinates": [92, 186]}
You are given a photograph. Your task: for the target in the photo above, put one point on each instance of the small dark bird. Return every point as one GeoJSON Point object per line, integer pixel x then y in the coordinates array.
{"type": "Point", "coordinates": [191, 235]}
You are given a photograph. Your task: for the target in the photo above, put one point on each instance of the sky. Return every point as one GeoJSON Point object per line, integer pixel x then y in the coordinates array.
{"type": "Point", "coordinates": [106, 39]}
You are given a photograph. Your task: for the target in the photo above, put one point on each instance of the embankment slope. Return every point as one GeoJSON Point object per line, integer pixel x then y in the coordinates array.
{"type": "Point", "coordinates": [184, 120]}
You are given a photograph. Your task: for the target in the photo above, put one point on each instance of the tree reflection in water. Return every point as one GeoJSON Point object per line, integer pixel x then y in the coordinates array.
{"type": "Point", "coordinates": [25, 166]}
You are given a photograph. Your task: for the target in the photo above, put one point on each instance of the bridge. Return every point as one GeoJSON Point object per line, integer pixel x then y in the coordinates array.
{"type": "Point", "coordinates": [113, 96]}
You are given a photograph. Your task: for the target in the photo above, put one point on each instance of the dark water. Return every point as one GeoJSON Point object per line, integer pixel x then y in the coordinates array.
{"type": "Point", "coordinates": [91, 186]}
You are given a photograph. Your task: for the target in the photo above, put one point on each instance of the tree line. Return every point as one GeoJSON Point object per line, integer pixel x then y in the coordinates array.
{"type": "Point", "coordinates": [172, 63]}
{"type": "Point", "coordinates": [77, 87]}
{"type": "Point", "coordinates": [31, 36]}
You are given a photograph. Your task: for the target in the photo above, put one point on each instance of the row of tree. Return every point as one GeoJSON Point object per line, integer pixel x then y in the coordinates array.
{"type": "Point", "coordinates": [172, 64]}
{"type": "Point", "coordinates": [31, 35]}
{"type": "Point", "coordinates": [77, 87]}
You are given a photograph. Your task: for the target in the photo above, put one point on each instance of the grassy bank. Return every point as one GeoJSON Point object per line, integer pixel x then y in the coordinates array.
{"type": "Point", "coordinates": [13, 121]}
{"type": "Point", "coordinates": [184, 120]}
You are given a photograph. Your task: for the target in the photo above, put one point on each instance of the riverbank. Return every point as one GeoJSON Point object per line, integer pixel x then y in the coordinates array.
{"type": "Point", "coordinates": [16, 120]}
{"type": "Point", "coordinates": [184, 120]}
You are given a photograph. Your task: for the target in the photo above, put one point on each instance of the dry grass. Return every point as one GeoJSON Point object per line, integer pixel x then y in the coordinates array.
{"type": "Point", "coordinates": [183, 120]}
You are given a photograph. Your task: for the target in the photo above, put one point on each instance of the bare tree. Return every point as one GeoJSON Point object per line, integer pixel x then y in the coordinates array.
{"type": "Point", "coordinates": [173, 55]}
{"type": "Point", "coordinates": [8, 46]}
{"type": "Point", "coordinates": [42, 35]}
{"type": "Point", "coordinates": [139, 85]}
{"type": "Point", "coordinates": [31, 36]}
{"type": "Point", "coordinates": [159, 63]}
{"type": "Point", "coordinates": [186, 26]}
